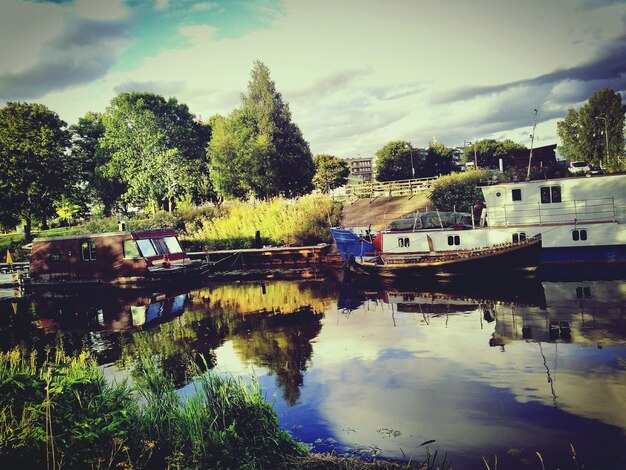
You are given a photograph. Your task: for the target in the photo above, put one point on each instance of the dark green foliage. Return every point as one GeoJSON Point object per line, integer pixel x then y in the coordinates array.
{"type": "Point", "coordinates": [223, 424]}
{"type": "Point", "coordinates": [156, 149]}
{"type": "Point", "coordinates": [458, 191]}
{"type": "Point", "coordinates": [584, 133]}
{"type": "Point", "coordinates": [97, 186]}
{"type": "Point", "coordinates": [34, 166]}
{"type": "Point", "coordinates": [63, 414]}
{"type": "Point", "coordinates": [438, 161]}
{"type": "Point", "coordinates": [61, 411]}
{"type": "Point", "coordinates": [488, 152]}
{"type": "Point", "coordinates": [330, 172]}
{"type": "Point", "coordinates": [258, 151]}
{"type": "Point", "coordinates": [397, 160]}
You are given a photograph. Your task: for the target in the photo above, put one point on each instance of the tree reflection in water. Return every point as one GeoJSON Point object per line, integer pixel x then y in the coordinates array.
{"type": "Point", "coordinates": [271, 325]}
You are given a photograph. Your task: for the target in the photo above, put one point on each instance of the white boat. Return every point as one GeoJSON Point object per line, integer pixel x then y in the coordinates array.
{"type": "Point", "coordinates": [580, 220]}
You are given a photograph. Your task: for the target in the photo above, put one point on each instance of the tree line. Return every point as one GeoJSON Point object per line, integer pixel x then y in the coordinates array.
{"type": "Point", "coordinates": [149, 152]}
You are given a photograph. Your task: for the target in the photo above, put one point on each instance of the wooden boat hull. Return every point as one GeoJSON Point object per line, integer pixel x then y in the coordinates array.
{"type": "Point", "coordinates": [522, 256]}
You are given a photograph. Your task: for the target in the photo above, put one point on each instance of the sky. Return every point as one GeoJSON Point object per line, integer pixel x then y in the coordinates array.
{"type": "Point", "coordinates": [356, 74]}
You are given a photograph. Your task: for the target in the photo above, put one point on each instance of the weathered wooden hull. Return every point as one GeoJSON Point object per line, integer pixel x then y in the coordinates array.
{"type": "Point", "coordinates": [523, 256]}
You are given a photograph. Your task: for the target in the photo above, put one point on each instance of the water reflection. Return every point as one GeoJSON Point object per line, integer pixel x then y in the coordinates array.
{"type": "Point", "coordinates": [508, 366]}
{"type": "Point", "coordinates": [518, 364]}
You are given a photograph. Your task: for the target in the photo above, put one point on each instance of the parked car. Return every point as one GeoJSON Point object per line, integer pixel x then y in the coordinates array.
{"type": "Point", "coordinates": [595, 170]}
{"type": "Point", "coordinates": [579, 168]}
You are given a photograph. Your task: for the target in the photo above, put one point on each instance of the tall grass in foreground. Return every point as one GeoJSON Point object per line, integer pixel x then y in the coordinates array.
{"type": "Point", "coordinates": [64, 415]}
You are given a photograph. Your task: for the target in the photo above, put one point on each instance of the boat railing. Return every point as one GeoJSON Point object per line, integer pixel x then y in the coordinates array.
{"type": "Point", "coordinates": [579, 211]}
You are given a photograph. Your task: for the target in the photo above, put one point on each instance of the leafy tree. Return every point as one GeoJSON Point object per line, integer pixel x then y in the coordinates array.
{"type": "Point", "coordinates": [35, 167]}
{"type": "Point", "coordinates": [230, 149]}
{"type": "Point", "coordinates": [397, 160]}
{"type": "Point", "coordinates": [488, 152]}
{"type": "Point", "coordinates": [94, 185]}
{"type": "Point", "coordinates": [438, 160]}
{"type": "Point", "coordinates": [331, 172]}
{"type": "Point", "coordinates": [156, 148]}
{"type": "Point", "coordinates": [258, 150]}
{"type": "Point", "coordinates": [584, 134]}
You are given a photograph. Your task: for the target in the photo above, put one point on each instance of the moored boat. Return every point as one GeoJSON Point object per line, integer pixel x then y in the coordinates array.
{"type": "Point", "coordinates": [120, 258]}
{"type": "Point", "coordinates": [520, 256]}
{"type": "Point", "coordinates": [581, 221]}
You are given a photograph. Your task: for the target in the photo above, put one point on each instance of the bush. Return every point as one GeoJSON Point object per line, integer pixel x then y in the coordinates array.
{"type": "Point", "coordinates": [458, 191]}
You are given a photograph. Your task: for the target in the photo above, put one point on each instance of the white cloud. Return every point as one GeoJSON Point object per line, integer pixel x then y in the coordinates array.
{"type": "Point", "coordinates": [204, 6]}
{"type": "Point", "coordinates": [198, 34]}
{"type": "Point", "coordinates": [358, 74]}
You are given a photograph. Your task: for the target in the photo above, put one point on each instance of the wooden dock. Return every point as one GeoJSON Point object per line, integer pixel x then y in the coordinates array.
{"type": "Point", "coordinates": [272, 261]}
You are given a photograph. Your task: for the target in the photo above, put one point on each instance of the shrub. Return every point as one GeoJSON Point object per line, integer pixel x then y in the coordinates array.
{"type": "Point", "coordinates": [458, 191]}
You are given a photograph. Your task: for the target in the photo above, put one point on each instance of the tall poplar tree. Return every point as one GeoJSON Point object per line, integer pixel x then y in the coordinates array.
{"type": "Point", "coordinates": [35, 167]}
{"type": "Point", "coordinates": [258, 150]}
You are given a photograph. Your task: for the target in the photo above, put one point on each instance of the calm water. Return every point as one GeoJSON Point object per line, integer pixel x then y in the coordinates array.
{"type": "Point", "coordinates": [506, 368]}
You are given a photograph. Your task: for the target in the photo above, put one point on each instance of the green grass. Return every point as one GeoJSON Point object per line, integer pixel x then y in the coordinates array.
{"type": "Point", "coordinates": [62, 413]}
{"type": "Point", "coordinates": [230, 226]}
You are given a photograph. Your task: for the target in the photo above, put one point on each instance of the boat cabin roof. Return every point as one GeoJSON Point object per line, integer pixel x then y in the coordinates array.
{"type": "Point", "coordinates": [135, 235]}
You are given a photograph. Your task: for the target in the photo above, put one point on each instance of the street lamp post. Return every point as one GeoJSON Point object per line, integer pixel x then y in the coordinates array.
{"type": "Point", "coordinates": [475, 156]}
{"type": "Point", "coordinates": [606, 135]}
{"type": "Point", "coordinates": [408, 146]}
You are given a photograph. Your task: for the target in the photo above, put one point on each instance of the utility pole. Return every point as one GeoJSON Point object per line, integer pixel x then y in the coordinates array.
{"type": "Point", "coordinates": [606, 135]}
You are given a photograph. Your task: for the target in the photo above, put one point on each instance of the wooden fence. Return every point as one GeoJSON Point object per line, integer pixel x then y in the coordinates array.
{"type": "Point", "coordinates": [373, 189]}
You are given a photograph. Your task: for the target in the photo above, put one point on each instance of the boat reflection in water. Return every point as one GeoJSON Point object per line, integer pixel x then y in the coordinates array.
{"type": "Point", "coordinates": [113, 310]}
{"type": "Point", "coordinates": [508, 366]}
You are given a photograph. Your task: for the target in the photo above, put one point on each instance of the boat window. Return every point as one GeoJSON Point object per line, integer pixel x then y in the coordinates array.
{"type": "Point", "coordinates": [159, 245]}
{"type": "Point", "coordinates": [550, 194]}
{"type": "Point", "coordinates": [454, 240]}
{"type": "Point", "coordinates": [519, 237]}
{"type": "Point", "coordinates": [88, 250]}
{"type": "Point", "coordinates": [130, 249]}
{"type": "Point", "coordinates": [579, 235]}
{"type": "Point", "coordinates": [172, 245]}
{"type": "Point", "coordinates": [516, 194]}
{"type": "Point", "coordinates": [146, 247]}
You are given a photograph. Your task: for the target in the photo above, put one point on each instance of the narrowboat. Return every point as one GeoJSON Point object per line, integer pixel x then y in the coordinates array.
{"type": "Point", "coordinates": [118, 258]}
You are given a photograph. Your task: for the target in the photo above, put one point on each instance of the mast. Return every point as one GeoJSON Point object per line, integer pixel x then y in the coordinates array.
{"type": "Point", "coordinates": [532, 140]}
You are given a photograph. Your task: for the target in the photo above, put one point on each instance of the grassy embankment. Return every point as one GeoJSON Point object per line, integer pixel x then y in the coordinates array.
{"type": "Point", "coordinates": [230, 226]}
{"type": "Point", "coordinates": [61, 413]}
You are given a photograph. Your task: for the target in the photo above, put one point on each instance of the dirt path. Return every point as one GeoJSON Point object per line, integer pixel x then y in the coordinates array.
{"type": "Point", "coordinates": [380, 211]}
